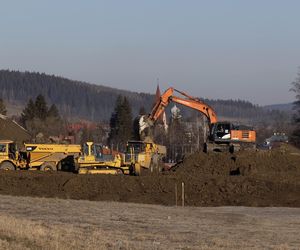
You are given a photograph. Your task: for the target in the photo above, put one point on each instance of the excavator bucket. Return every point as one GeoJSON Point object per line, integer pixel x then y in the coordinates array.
{"type": "Point", "coordinates": [145, 125]}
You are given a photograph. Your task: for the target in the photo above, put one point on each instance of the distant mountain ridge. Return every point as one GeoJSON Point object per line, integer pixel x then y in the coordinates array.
{"type": "Point", "coordinates": [82, 100]}
{"type": "Point", "coordinates": [288, 107]}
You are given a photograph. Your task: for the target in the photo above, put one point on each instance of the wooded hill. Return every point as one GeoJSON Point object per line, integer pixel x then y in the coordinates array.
{"type": "Point", "coordinates": [73, 98]}
{"type": "Point", "coordinates": [76, 99]}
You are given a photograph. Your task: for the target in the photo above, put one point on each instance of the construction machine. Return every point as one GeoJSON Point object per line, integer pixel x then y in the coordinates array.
{"type": "Point", "coordinates": [10, 159]}
{"type": "Point", "coordinates": [96, 159]}
{"type": "Point", "coordinates": [139, 155]}
{"type": "Point", "coordinates": [42, 157]}
{"type": "Point", "coordinates": [91, 158]}
{"type": "Point", "coordinates": [144, 155]}
{"type": "Point", "coordinates": [221, 136]}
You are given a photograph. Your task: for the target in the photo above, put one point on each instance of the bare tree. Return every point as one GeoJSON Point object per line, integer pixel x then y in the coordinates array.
{"type": "Point", "coordinates": [296, 118]}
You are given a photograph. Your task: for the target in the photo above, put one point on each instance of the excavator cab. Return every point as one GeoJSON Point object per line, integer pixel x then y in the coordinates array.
{"type": "Point", "coordinates": [225, 135]}
{"type": "Point", "coordinates": [221, 132]}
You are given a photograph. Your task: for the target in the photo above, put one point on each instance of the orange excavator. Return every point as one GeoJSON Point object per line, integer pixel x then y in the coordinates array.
{"type": "Point", "coordinates": [222, 135]}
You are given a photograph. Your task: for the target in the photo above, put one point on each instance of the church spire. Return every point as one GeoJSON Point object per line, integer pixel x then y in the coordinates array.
{"type": "Point", "coordinates": [157, 94]}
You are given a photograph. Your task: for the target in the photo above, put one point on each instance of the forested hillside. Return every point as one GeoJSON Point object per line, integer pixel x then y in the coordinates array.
{"type": "Point", "coordinates": [288, 107]}
{"type": "Point", "coordinates": [76, 99]}
{"type": "Point", "coordinates": [73, 98]}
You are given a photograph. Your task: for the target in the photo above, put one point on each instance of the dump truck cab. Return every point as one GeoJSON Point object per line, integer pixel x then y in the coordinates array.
{"type": "Point", "coordinates": [10, 158]}
{"type": "Point", "coordinates": [7, 150]}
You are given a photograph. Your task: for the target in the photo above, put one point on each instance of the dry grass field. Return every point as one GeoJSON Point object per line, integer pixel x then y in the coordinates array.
{"type": "Point", "coordinates": [40, 223]}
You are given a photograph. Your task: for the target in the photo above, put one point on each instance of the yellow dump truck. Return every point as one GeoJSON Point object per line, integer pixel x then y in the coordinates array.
{"type": "Point", "coordinates": [143, 155]}
{"type": "Point", "coordinates": [47, 157]}
{"type": "Point", "coordinates": [35, 156]}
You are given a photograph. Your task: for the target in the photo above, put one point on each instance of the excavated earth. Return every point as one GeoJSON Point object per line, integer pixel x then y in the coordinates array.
{"type": "Point", "coordinates": [263, 178]}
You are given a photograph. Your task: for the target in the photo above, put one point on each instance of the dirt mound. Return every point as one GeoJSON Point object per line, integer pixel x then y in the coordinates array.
{"type": "Point", "coordinates": [277, 163]}
{"type": "Point", "coordinates": [247, 178]}
{"type": "Point", "coordinates": [10, 130]}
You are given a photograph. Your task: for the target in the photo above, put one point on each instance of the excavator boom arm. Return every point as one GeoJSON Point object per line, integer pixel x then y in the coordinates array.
{"type": "Point", "coordinates": [199, 106]}
{"type": "Point", "coordinates": [160, 106]}
{"type": "Point", "coordinates": [165, 99]}
{"type": "Point", "coordinates": [188, 101]}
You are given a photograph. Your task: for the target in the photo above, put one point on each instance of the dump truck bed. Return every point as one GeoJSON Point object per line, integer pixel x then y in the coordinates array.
{"type": "Point", "coordinates": [40, 154]}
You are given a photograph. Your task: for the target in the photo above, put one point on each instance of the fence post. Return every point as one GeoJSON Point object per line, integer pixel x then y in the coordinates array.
{"type": "Point", "coordinates": [176, 197]}
{"type": "Point", "coordinates": [182, 193]}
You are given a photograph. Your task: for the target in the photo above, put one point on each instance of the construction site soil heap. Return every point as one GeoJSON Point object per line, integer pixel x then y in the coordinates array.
{"type": "Point", "coordinates": [264, 178]}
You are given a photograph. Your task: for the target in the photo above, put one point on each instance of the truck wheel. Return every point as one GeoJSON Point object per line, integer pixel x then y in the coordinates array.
{"type": "Point", "coordinates": [7, 166]}
{"type": "Point", "coordinates": [48, 166]}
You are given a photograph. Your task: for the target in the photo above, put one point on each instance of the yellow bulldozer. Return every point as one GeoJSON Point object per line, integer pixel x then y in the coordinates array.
{"type": "Point", "coordinates": [96, 160]}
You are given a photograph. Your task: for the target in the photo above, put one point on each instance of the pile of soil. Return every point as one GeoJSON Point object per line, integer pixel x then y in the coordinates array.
{"type": "Point", "coordinates": [10, 130]}
{"type": "Point", "coordinates": [267, 178]}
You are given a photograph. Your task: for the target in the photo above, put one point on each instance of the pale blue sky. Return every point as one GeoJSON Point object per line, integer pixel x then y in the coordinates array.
{"type": "Point", "coordinates": [216, 49]}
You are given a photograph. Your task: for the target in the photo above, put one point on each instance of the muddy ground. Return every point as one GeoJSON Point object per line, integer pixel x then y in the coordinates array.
{"type": "Point", "coordinates": [264, 178]}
